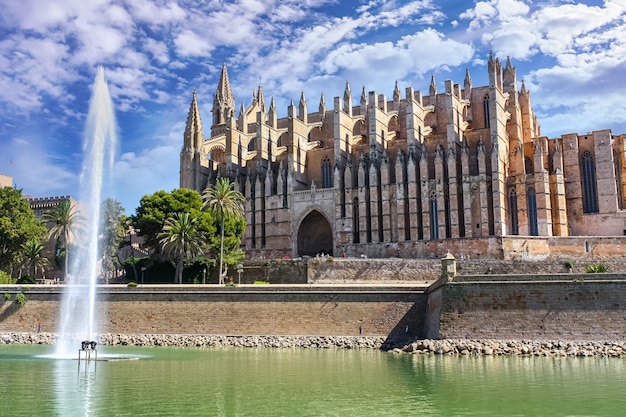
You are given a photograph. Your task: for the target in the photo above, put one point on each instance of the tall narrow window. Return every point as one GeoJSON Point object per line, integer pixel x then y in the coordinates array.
{"type": "Point", "coordinates": [486, 110]}
{"type": "Point", "coordinates": [327, 173]}
{"type": "Point", "coordinates": [590, 195]}
{"type": "Point", "coordinates": [355, 221]}
{"type": "Point", "coordinates": [533, 230]}
{"type": "Point", "coordinates": [513, 211]}
{"type": "Point", "coordinates": [618, 180]}
{"type": "Point", "coordinates": [528, 165]}
{"type": "Point", "coordinates": [434, 221]}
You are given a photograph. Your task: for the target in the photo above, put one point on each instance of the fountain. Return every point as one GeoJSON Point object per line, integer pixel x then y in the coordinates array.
{"type": "Point", "coordinates": [78, 320]}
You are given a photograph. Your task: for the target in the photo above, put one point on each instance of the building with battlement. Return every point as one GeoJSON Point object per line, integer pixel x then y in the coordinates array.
{"type": "Point", "coordinates": [41, 205]}
{"type": "Point", "coordinates": [464, 170]}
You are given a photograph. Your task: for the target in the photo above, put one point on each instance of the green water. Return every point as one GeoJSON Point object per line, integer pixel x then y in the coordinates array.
{"type": "Point", "coordinates": [264, 382]}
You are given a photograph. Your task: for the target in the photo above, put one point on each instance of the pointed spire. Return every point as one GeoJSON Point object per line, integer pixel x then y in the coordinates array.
{"type": "Point", "coordinates": [509, 75]}
{"type": "Point", "coordinates": [347, 94]}
{"type": "Point", "coordinates": [302, 108]}
{"type": "Point", "coordinates": [524, 90]}
{"type": "Point", "coordinates": [433, 86]}
{"type": "Point", "coordinates": [261, 99]}
{"type": "Point", "coordinates": [363, 97]}
{"type": "Point", "coordinates": [193, 126]}
{"type": "Point", "coordinates": [508, 63]}
{"type": "Point", "coordinates": [223, 100]}
{"type": "Point", "coordinates": [242, 109]}
{"type": "Point", "coordinates": [255, 99]}
{"type": "Point", "coordinates": [347, 99]}
{"type": "Point", "coordinates": [272, 116]}
{"type": "Point", "coordinates": [223, 88]}
{"type": "Point", "coordinates": [272, 105]}
{"type": "Point", "coordinates": [467, 85]}
{"type": "Point", "coordinates": [396, 92]}
{"type": "Point", "coordinates": [322, 107]}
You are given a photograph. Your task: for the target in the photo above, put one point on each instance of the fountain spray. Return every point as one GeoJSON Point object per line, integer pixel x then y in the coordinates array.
{"type": "Point", "coordinates": [78, 308]}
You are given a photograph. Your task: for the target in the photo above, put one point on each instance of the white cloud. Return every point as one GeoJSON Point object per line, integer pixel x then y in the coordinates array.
{"type": "Point", "coordinates": [34, 169]}
{"type": "Point", "coordinates": [415, 54]}
{"type": "Point", "coordinates": [154, 168]}
{"type": "Point", "coordinates": [189, 43]}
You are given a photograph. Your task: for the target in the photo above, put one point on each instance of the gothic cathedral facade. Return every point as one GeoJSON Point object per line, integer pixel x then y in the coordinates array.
{"type": "Point", "coordinates": [464, 170]}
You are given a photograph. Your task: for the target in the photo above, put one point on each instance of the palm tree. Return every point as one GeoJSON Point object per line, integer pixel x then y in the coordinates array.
{"type": "Point", "coordinates": [33, 257]}
{"type": "Point", "coordinates": [181, 239]}
{"type": "Point", "coordinates": [224, 201]}
{"type": "Point", "coordinates": [127, 225]}
{"type": "Point", "coordinates": [67, 223]}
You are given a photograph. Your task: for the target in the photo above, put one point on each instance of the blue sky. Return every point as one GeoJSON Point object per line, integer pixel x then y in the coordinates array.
{"type": "Point", "coordinates": [572, 56]}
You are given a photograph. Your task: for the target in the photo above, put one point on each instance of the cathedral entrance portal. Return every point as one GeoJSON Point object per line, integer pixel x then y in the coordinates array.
{"type": "Point", "coordinates": [315, 235]}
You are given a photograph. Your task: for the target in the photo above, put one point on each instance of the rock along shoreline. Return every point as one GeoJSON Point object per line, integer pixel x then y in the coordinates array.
{"type": "Point", "coordinates": [460, 347]}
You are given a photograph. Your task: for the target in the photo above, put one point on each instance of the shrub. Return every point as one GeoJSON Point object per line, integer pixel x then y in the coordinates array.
{"type": "Point", "coordinates": [132, 284]}
{"type": "Point", "coordinates": [594, 269]}
{"type": "Point", "coordinates": [20, 298]}
{"type": "Point", "coordinates": [7, 296]}
{"type": "Point", "coordinates": [261, 282]}
{"type": "Point", "coordinates": [5, 278]}
{"type": "Point", "coordinates": [27, 279]}
{"type": "Point", "coordinates": [568, 264]}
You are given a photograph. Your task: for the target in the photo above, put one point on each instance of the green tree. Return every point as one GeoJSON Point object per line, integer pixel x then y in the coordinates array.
{"type": "Point", "coordinates": [18, 225]}
{"type": "Point", "coordinates": [181, 240]}
{"type": "Point", "coordinates": [33, 258]}
{"type": "Point", "coordinates": [224, 202]}
{"type": "Point", "coordinates": [155, 209]}
{"type": "Point", "coordinates": [127, 226]}
{"type": "Point", "coordinates": [111, 233]}
{"type": "Point", "coordinates": [66, 224]}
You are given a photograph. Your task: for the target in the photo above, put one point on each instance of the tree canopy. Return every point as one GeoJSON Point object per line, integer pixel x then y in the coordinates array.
{"type": "Point", "coordinates": [66, 224]}
{"type": "Point", "coordinates": [155, 209]}
{"type": "Point", "coordinates": [111, 232]}
{"type": "Point", "coordinates": [181, 240]}
{"type": "Point", "coordinates": [18, 225]}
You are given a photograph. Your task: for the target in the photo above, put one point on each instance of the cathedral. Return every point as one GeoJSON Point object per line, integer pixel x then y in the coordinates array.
{"type": "Point", "coordinates": [464, 170]}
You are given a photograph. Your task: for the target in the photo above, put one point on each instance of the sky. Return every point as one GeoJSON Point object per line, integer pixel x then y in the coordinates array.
{"type": "Point", "coordinates": [571, 56]}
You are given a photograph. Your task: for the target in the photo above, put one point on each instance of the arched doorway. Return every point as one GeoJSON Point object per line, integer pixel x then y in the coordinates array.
{"type": "Point", "coordinates": [315, 235]}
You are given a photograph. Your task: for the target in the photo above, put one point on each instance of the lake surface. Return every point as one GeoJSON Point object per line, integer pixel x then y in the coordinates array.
{"type": "Point", "coordinates": [305, 382]}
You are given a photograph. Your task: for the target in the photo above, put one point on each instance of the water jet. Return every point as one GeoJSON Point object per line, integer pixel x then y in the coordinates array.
{"type": "Point", "coordinates": [78, 321]}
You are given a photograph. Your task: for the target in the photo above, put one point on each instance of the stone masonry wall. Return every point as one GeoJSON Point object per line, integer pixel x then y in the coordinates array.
{"type": "Point", "coordinates": [274, 310]}
{"type": "Point", "coordinates": [351, 270]}
{"type": "Point", "coordinates": [533, 308]}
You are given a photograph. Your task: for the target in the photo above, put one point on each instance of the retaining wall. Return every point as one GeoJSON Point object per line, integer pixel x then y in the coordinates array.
{"type": "Point", "coordinates": [557, 307]}
{"type": "Point", "coordinates": [539, 307]}
{"type": "Point", "coordinates": [245, 310]}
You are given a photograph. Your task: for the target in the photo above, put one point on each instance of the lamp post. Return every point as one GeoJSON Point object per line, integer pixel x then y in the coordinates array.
{"type": "Point", "coordinates": [143, 269]}
{"type": "Point", "coordinates": [239, 271]}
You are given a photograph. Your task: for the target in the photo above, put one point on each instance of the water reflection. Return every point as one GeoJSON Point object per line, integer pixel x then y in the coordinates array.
{"type": "Point", "coordinates": [292, 382]}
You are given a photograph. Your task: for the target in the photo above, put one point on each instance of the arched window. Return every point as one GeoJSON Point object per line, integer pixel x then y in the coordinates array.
{"type": "Point", "coordinates": [486, 110]}
{"type": "Point", "coordinates": [533, 230]}
{"type": "Point", "coordinates": [590, 195]}
{"type": "Point", "coordinates": [327, 173]}
{"type": "Point", "coordinates": [434, 221]}
{"type": "Point", "coordinates": [251, 145]}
